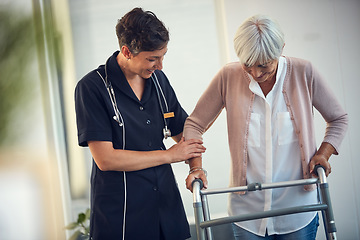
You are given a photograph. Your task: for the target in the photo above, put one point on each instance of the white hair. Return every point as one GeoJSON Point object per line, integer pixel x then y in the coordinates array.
{"type": "Point", "coordinates": [258, 39]}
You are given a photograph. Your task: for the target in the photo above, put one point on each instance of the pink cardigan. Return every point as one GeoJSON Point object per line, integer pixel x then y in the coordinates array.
{"type": "Point", "coordinates": [303, 89]}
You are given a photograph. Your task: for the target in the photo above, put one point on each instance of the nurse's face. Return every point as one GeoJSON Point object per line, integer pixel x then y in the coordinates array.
{"type": "Point", "coordinates": [145, 63]}
{"type": "Point", "coordinates": [262, 72]}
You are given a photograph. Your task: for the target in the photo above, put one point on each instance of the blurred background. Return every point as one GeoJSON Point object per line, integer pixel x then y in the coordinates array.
{"type": "Point", "coordinates": [47, 46]}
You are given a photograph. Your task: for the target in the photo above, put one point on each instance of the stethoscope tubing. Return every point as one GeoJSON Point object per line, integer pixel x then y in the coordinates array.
{"type": "Point", "coordinates": [118, 117]}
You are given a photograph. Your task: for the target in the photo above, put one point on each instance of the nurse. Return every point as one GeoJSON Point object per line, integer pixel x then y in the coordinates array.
{"type": "Point", "coordinates": [124, 110]}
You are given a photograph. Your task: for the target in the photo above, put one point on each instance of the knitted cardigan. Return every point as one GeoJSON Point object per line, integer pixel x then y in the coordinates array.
{"type": "Point", "coordinates": [303, 90]}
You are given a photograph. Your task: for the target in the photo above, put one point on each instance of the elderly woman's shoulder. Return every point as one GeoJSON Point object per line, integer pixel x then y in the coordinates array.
{"type": "Point", "coordinates": [299, 65]}
{"type": "Point", "coordinates": [232, 66]}
{"type": "Point", "coordinates": [298, 61]}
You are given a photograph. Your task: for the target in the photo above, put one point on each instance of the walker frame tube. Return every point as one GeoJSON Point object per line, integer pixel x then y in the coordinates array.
{"type": "Point", "coordinates": [328, 215]}
{"type": "Point", "coordinates": [198, 208]}
{"type": "Point", "coordinates": [202, 213]}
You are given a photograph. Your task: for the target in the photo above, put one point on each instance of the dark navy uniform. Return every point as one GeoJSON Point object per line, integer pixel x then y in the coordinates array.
{"type": "Point", "coordinates": [143, 204]}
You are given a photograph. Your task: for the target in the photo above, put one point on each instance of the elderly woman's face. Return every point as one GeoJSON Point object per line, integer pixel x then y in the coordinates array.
{"type": "Point", "coordinates": [262, 72]}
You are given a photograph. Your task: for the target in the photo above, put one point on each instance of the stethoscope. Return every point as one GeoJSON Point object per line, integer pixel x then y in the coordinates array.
{"type": "Point", "coordinates": [118, 117]}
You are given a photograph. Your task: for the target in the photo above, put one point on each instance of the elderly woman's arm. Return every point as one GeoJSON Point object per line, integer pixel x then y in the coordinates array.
{"type": "Point", "coordinates": [336, 119]}
{"type": "Point", "coordinates": [205, 113]}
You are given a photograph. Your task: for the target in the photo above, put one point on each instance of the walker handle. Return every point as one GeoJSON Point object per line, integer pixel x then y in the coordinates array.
{"type": "Point", "coordinates": [317, 167]}
{"type": "Point", "coordinates": [199, 181]}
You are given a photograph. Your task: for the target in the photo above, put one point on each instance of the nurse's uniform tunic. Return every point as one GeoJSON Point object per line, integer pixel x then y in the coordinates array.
{"type": "Point", "coordinates": [140, 204]}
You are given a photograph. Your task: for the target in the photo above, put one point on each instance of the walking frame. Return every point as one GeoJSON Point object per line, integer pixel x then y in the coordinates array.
{"type": "Point", "coordinates": [204, 222]}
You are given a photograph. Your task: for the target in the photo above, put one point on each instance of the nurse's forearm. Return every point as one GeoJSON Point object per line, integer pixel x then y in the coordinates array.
{"type": "Point", "coordinates": [109, 159]}
{"type": "Point", "coordinates": [125, 160]}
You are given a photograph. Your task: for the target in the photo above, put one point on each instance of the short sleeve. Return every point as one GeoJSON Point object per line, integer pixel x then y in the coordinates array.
{"type": "Point", "coordinates": [92, 118]}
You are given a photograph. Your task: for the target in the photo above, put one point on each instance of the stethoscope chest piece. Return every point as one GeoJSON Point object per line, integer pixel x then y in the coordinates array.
{"type": "Point", "coordinates": [166, 132]}
{"type": "Point", "coordinates": [118, 121]}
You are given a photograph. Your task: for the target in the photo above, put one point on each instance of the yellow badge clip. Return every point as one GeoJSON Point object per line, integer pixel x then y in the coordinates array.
{"type": "Point", "coordinates": [169, 115]}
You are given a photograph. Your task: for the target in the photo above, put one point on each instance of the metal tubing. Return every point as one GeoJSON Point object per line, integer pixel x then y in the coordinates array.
{"type": "Point", "coordinates": [321, 173]}
{"type": "Point", "coordinates": [206, 216]}
{"type": "Point", "coordinates": [289, 183]}
{"type": "Point", "coordinates": [198, 211]}
{"type": "Point", "coordinates": [265, 214]}
{"type": "Point", "coordinates": [263, 186]}
{"type": "Point", "coordinates": [328, 215]}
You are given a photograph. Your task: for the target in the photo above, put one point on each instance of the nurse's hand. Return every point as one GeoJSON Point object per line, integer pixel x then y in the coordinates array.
{"type": "Point", "coordinates": [184, 150]}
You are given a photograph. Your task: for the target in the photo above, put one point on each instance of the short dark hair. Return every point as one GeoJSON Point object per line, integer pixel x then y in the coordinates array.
{"type": "Point", "coordinates": [141, 31]}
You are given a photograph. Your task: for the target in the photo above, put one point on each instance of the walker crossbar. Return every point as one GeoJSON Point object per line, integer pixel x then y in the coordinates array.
{"type": "Point", "coordinates": [264, 214]}
{"type": "Point", "coordinates": [259, 186]}
{"type": "Point", "coordinates": [204, 222]}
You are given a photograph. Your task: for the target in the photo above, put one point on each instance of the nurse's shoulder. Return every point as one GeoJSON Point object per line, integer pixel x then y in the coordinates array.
{"type": "Point", "coordinates": [92, 80]}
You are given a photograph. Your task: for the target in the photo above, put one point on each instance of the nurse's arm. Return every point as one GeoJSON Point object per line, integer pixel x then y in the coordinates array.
{"type": "Point", "coordinates": [109, 159]}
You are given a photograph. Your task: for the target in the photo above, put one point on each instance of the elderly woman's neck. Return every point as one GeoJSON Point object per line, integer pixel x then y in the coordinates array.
{"type": "Point", "coordinates": [267, 85]}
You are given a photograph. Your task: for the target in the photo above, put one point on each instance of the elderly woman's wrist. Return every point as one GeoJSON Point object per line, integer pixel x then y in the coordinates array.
{"type": "Point", "coordinates": [195, 169]}
{"type": "Point", "coordinates": [325, 150]}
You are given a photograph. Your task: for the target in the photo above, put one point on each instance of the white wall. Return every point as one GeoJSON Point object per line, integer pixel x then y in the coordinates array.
{"type": "Point", "coordinates": [324, 32]}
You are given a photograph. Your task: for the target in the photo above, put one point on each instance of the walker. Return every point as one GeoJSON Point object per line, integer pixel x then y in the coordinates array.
{"type": "Point", "coordinates": [203, 221]}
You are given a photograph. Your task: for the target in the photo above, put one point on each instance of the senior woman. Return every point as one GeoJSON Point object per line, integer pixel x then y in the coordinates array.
{"type": "Point", "coordinates": [269, 101]}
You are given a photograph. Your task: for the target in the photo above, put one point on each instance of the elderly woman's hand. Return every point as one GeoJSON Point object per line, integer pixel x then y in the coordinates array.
{"type": "Point", "coordinates": [322, 158]}
{"type": "Point", "coordinates": [319, 160]}
{"type": "Point", "coordinates": [198, 174]}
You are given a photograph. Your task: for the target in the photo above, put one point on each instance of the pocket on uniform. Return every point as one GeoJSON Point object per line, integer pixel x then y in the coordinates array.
{"type": "Point", "coordinates": [254, 130]}
{"type": "Point", "coordinates": [286, 133]}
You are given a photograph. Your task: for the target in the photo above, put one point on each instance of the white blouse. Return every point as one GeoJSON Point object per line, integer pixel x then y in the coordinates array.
{"type": "Point", "coordinates": [273, 156]}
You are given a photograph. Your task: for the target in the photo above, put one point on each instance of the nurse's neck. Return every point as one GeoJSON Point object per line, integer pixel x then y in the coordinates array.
{"type": "Point", "coordinates": [136, 82]}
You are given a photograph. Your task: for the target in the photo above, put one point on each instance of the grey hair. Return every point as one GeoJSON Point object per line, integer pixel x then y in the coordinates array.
{"type": "Point", "coordinates": [258, 39]}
